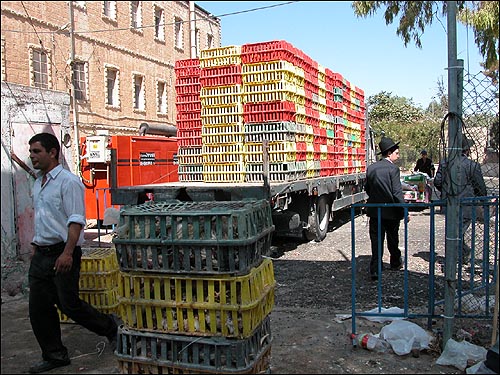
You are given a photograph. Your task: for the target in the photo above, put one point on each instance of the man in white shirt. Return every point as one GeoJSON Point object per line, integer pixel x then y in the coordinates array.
{"type": "Point", "coordinates": [54, 272]}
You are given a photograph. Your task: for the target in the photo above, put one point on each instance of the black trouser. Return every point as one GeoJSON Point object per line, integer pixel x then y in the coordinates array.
{"type": "Point", "coordinates": [391, 229]}
{"type": "Point", "coordinates": [48, 289]}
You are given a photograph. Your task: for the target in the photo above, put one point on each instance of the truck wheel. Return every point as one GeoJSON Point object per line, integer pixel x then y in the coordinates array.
{"type": "Point", "coordinates": [319, 219]}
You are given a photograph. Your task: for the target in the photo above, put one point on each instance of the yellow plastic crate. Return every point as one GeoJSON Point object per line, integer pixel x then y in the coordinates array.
{"type": "Point", "coordinates": [106, 302]}
{"type": "Point", "coordinates": [99, 269]}
{"type": "Point", "coordinates": [229, 306]}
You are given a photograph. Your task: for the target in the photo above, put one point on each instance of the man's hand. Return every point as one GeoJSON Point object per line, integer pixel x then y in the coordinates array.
{"type": "Point", "coordinates": [63, 263]}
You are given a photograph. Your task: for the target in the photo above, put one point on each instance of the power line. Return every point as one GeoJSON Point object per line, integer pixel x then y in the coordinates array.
{"type": "Point", "coordinates": [148, 26]}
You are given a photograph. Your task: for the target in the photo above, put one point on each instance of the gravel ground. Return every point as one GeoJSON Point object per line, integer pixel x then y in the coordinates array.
{"type": "Point", "coordinates": [310, 321]}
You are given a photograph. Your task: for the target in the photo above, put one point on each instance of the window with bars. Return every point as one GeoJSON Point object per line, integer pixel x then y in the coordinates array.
{"type": "Point", "coordinates": [79, 80]}
{"type": "Point", "coordinates": [161, 97]}
{"type": "Point", "coordinates": [135, 14]}
{"type": "Point", "coordinates": [159, 24]}
{"type": "Point", "coordinates": [109, 9]}
{"type": "Point", "coordinates": [139, 97]}
{"type": "Point", "coordinates": [112, 86]}
{"type": "Point", "coordinates": [178, 30]}
{"type": "Point", "coordinates": [40, 69]}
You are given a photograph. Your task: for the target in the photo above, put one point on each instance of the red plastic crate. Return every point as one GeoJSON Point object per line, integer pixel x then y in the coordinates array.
{"type": "Point", "coordinates": [187, 98]}
{"type": "Point", "coordinates": [189, 124]}
{"type": "Point", "coordinates": [188, 106]}
{"type": "Point", "coordinates": [187, 63]}
{"type": "Point", "coordinates": [188, 89]}
{"type": "Point", "coordinates": [194, 115]}
{"type": "Point", "coordinates": [188, 80]}
{"type": "Point", "coordinates": [192, 71]}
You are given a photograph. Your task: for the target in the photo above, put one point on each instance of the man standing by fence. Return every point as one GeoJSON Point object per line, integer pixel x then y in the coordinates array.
{"type": "Point", "coordinates": [471, 184]}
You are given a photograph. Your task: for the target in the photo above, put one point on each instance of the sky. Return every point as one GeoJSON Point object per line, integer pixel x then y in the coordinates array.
{"type": "Point", "coordinates": [366, 51]}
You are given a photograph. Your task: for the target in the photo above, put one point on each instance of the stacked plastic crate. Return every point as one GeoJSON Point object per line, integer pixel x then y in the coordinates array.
{"type": "Point", "coordinates": [188, 105]}
{"type": "Point", "coordinates": [196, 289]}
{"type": "Point", "coordinates": [311, 118]}
{"type": "Point", "coordinates": [222, 115]}
{"type": "Point", "coordinates": [99, 275]}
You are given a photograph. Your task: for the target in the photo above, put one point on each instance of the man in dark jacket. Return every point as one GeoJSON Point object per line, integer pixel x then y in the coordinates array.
{"type": "Point", "coordinates": [471, 184]}
{"type": "Point", "coordinates": [424, 164]}
{"type": "Point", "coordinates": [383, 185]}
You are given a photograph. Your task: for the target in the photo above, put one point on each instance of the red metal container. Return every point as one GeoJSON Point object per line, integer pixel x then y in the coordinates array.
{"type": "Point", "coordinates": [139, 160]}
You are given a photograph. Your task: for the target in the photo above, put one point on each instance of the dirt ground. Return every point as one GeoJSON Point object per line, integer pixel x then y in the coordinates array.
{"type": "Point", "coordinates": [310, 321]}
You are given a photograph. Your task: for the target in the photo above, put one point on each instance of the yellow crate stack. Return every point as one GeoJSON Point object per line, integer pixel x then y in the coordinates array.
{"type": "Point", "coordinates": [99, 280]}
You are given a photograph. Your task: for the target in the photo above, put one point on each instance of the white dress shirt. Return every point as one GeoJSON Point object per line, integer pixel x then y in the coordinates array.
{"type": "Point", "coordinates": [59, 202]}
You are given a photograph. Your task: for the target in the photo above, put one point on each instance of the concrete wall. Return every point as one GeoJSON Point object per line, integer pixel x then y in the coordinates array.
{"type": "Point", "coordinates": [25, 112]}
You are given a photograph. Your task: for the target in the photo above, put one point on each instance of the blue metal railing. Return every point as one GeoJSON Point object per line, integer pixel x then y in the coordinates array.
{"type": "Point", "coordinates": [489, 244]}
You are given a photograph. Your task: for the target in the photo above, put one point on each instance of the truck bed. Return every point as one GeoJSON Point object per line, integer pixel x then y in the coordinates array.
{"type": "Point", "coordinates": [203, 191]}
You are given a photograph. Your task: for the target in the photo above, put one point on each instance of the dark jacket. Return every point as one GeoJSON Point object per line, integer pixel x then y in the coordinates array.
{"type": "Point", "coordinates": [425, 166]}
{"type": "Point", "coordinates": [471, 182]}
{"type": "Point", "coordinates": [383, 185]}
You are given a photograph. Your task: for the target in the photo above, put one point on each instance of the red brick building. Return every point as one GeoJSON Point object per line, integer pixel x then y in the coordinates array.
{"type": "Point", "coordinates": [123, 54]}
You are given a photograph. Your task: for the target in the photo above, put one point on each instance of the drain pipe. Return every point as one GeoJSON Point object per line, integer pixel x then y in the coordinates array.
{"type": "Point", "coordinates": [192, 29]}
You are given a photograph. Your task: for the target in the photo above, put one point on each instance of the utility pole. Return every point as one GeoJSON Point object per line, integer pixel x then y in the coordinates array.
{"type": "Point", "coordinates": [76, 135]}
{"type": "Point", "coordinates": [453, 166]}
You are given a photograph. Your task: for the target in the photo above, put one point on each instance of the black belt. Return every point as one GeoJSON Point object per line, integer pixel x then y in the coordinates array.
{"type": "Point", "coordinates": [50, 249]}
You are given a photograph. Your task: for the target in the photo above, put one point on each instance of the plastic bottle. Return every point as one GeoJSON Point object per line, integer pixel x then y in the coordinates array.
{"type": "Point", "coordinates": [370, 342]}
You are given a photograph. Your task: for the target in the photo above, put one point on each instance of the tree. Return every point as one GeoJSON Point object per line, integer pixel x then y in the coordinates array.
{"type": "Point", "coordinates": [400, 119]}
{"type": "Point", "coordinates": [416, 15]}
{"type": "Point", "coordinates": [484, 18]}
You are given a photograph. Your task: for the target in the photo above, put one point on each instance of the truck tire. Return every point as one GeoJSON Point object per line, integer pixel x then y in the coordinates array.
{"type": "Point", "coordinates": [319, 219]}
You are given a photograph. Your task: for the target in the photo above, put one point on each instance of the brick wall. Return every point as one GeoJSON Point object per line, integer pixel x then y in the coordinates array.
{"type": "Point", "coordinates": [102, 42]}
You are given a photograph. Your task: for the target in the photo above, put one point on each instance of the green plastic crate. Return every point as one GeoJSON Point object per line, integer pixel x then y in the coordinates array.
{"type": "Point", "coordinates": [194, 237]}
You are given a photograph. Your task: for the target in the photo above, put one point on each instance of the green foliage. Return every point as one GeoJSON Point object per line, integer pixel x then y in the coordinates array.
{"type": "Point", "coordinates": [414, 16]}
{"type": "Point", "coordinates": [484, 18]}
{"type": "Point", "coordinates": [400, 119]}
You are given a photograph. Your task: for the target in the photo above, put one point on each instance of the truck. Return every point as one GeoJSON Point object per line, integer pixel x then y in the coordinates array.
{"type": "Point", "coordinates": [236, 108]}
{"type": "Point", "coordinates": [301, 208]}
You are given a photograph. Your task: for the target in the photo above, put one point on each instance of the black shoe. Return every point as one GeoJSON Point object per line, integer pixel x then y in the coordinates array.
{"type": "Point", "coordinates": [48, 365]}
{"type": "Point", "coordinates": [398, 266]}
{"type": "Point", "coordinates": [373, 276]}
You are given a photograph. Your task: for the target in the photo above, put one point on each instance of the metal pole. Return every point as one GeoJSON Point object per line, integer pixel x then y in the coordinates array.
{"type": "Point", "coordinates": [73, 88]}
{"type": "Point", "coordinates": [451, 178]}
{"type": "Point", "coordinates": [192, 29]}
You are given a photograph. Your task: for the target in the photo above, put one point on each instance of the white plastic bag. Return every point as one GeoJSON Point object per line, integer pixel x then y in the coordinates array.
{"type": "Point", "coordinates": [457, 353]}
{"type": "Point", "coordinates": [405, 336]}
{"type": "Point", "coordinates": [383, 310]}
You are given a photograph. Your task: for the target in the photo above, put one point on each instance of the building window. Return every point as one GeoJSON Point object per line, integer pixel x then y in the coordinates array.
{"type": "Point", "coordinates": [79, 4]}
{"type": "Point", "coordinates": [159, 24]}
{"type": "Point", "coordinates": [135, 14]}
{"type": "Point", "coordinates": [178, 30]}
{"type": "Point", "coordinates": [40, 69]}
{"type": "Point", "coordinates": [109, 9]}
{"type": "Point", "coordinates": [197, 41]}
{"type": "Point", "coordinates": [112, 86]}
{"type": "Point", "coordinates": [79, 80]}
{"type": "Point", "coordinates": [210, 41]}
{"type": "Point", "coordinates": [139, 96]}
{"type": "Point", "coordinates": [4, 76]}
{"type": "Point", "coordinates": [161, 97]}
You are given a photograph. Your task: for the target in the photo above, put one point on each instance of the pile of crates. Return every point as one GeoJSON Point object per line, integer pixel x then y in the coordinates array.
{"type": "Point", "coordinates": [311, 117]}
{"type": "Point", "coordinates": [99, 275]}
{"type": "Point", "coordinates": [196, 287]}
